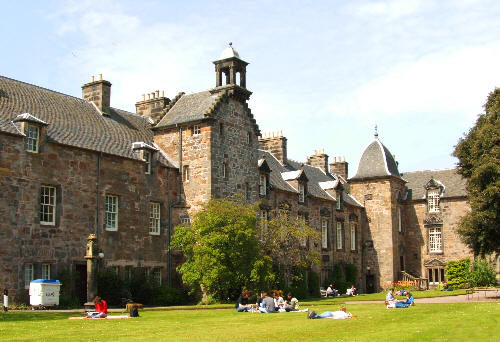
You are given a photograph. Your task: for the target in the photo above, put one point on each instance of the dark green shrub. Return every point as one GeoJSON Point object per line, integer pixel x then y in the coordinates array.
{"type": "Point", "coordinates": [457, 273]}
{"type": "Point", "coordinates": [299, 285]}
{"type": "Point", "coordinates": [351, 274]}
{"type": "Point", "coordinates": [68, 302]}
{"type": "Point", "coordinates": [482, 274]}
{"type": "Point", "coordinates": [110, 287]}
{"type": "Point", "coordinates": [338, 273]}
{"type": "Point", "coordinates": [67, 297]}
{"type": "Point", "coordinates": [313, 284]}
{"type": "Point", "coordinates": [165, 295]}
{"type": "Point", "coordinates": [140, 288]}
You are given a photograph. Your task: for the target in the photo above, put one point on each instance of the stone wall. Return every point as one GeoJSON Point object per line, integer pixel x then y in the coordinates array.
{"type": "Point", "coordinates": [73, 172]}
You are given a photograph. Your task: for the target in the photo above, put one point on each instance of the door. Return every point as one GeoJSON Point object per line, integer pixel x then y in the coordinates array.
{"type": "Point", "coordinates": [81, 283]}
{"type": "Point", "coordinates": [370, 283]}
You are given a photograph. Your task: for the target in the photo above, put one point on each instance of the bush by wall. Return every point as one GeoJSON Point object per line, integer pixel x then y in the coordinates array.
{"type": "Point", "coordinates": [481, 274]}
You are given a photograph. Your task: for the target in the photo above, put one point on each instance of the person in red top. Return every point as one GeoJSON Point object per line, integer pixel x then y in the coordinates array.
{"type": "Point", "coordinates": [101, 308]}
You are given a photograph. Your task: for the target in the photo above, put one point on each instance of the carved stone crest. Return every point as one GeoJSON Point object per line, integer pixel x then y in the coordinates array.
{"type": "Point", "coordinates": [434, 263]}
{"type": "Point", "coordinates": [433, 219]}
{"type": "Point", "coordinates": [324, 212]}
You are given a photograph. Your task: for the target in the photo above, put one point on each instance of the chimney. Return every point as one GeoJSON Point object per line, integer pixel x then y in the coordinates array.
{"type": "Point", "coordinates": [153, 105]}
{"type": "Point", "coordinates": [318, 159]}
{"type": "Point", "coordinates": [339, 166]}
{"type": "Point", "coordinates": [274, 143]}
{"type": "Point", "coordinates": [98, 92]}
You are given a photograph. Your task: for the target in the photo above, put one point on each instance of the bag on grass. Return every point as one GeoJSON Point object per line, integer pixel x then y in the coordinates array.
{"type": "Point", "coordinates": [134, 312]}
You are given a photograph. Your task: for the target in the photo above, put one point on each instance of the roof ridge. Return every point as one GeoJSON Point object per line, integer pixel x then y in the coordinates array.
{"type": "Point", "coordinates": [43, 88]}
{"type": "Point", "coordinates": [435, 170]}
{"type": "Point", "coordinates": [173, 102]}
{"type": "Point", "coordinates": [215, 104]}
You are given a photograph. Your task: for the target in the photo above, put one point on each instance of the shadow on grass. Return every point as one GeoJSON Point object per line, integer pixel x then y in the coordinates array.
{"type": "Point", "coordinates": [13, 316]}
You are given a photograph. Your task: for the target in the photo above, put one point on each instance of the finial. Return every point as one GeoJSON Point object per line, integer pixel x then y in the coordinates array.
{"type": "Point", "coordinates": [376, 133]}
{"type": "Point", "coordinates": [230, 44]}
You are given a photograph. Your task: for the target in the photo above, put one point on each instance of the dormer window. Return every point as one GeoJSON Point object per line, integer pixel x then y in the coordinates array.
{"type": "Point", "coordinates": [301, 193]}
{"type": "Point", "coordinates": [145, 152]}
{"type": "Point", "coordinates": [433, 200]}
{"type": "Point", "coordinates": [147, 158]}
{"type": "Point", "coordinates": [262, 184]}
{"type": "Point", "coordinates": [32, 142]}
{"type": "Point", "coordinates": [339, 200]}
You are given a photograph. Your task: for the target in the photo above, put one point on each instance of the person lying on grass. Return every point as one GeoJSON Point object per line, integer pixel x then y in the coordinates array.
{"type": "Point", "coordinates": [341, 314]}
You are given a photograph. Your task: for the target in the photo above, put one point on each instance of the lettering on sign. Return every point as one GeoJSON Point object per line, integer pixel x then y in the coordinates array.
{"type": "Point", "coordinates": [37, 252]}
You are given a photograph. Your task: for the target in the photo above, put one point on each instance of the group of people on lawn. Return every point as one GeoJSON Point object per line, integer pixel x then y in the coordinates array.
{"type": "Point", "coordinates": [332, 292]}
{"type": "Point", "coordinates": [267, 304]}
{"type": "Point", "coordinates": [392, 302]}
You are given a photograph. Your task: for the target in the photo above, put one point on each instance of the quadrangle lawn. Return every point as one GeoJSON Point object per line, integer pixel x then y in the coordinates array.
{"type": "Point", "coordinates": [423, 322]}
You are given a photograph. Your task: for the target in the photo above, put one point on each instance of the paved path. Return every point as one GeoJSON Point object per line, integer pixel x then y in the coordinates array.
{"type": "Point", "coordinates": [476, 297]}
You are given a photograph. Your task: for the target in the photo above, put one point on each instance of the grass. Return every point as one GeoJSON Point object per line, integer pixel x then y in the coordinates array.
{"type": "Point", "coordinates": [423, 322]}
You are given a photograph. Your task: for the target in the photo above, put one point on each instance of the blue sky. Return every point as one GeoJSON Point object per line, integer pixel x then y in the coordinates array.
{"type": "Point", "coordinates": [323, 72]}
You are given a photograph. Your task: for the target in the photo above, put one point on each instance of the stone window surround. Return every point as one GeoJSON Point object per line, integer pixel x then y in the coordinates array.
{"type": "Point", "coordinates": [437, 237]}
{"type": "Point", "coordinates": [339, 234]}
{"type": "Point", "coordinates": [353, 233]}
{"type": "Point", "coordinates": [154, 218]}
{"type": "Point", "coordinates": [432, 271]}
{"type": "Point", "coordinates": [262, 184]}
{"type": "Point", "coordinates": [147, 156]}
{"type": "Point", "coordinates": [324, 233]}
{"type": "Point", "coordinates": [32, 137]}
{"type": "Point", "coordinates": [48, 205]}
{"type": "Point", "coordinates": [185, 173]}
{"type": "Point", "coordinates": [433, 196]}
{"type": "Point", "coordinates": [111, 212]}
{"type": "Point", "coordinates": [186, 220]}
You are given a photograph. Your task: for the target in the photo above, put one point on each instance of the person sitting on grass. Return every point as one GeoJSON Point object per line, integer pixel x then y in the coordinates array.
{"type": "Point", "coordinates": [267, 305]}
{"type": "Point", "coordinates": [390, 300]}
{"type": "Point", "coordinates": [406, 303]}
{"type": "Point", "coordinates": [351, 291]}
{"type": "Point", "coordinates": [341, 314]}
{"type": "Point", "coordinates": [279, 303]}
{"type": "Point", "coordinates": [242, 302]}
{"type": "Point", "coordinates": [101, 308]}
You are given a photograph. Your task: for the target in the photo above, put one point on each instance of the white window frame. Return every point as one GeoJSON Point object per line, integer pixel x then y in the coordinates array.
{"type": "Point", "coordinates": [186, 220]}
{"type": "Point", "coordinates": [32, 142]}
{"type": "Point", "coordinates": [435, 240]}
{"type": "Point", "coordinates": [46, 271]}
{"type": "Point", "coordinates": [302, 192]}
{"type": "Point", "coordinates": [185, 173]}
{"type": "Point", "coordinates": [154, 218]}
{"type": "Point", "coordinates": [432, 272]}
{"type": "Point", "coordinates": [338, 197]}
{"type": "Point", "coordinates": [29, 275]}
{"type": "Point", "coordinates": [196, 129]}
{"type": "Point", "coordinates": [433, 200]}
{"type": "Point", "coordinates": [48, 196]}
{"type": "Point", "coordinates": [262, 184]}
{"type": "Point", "coordinates": [111, 212]}
{"type": "Point", "coordinates": [353, 236]}
{"type": "Point", "coordinates": [147, 156]}
{"type": "Point", "coordinates": [324, 233]}
{"type": "Point", "coordinates": [340, 243]}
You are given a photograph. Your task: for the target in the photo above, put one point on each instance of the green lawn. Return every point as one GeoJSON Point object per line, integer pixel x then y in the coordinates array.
{"type": "Point", "coordinates": [423, 322]}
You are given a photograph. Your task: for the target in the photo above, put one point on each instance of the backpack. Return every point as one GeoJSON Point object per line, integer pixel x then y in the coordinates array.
{"type": "Point", "coordinates": [134, 312]}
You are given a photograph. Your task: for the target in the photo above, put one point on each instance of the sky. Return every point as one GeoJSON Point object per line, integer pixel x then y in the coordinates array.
{"type": "Point", "coordinates": [324, 73]}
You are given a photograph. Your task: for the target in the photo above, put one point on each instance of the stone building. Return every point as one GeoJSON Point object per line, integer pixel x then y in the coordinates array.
{"type": "Point", "coordinates": [71, 167]}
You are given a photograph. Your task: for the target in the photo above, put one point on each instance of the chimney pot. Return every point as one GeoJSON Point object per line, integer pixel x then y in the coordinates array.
{"type": "Point", "coordinates": [162, 93]}
{"type": "Point", "coordinates": [143, 97]}
{"type": "Point", "coordinates": [91, 78]}
{"type": "Point", "coordinates": [157, 93]}
{"type": "Point", "coordinates": [100, 77]}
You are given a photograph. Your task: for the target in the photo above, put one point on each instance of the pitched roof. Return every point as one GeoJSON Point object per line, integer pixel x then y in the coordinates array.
{"type": "Point", "coordinates": [454, 184]}
{"type": "Point", "coordinates": [376, 161]}
{"type": "Point", "coordinates": [73, 121]}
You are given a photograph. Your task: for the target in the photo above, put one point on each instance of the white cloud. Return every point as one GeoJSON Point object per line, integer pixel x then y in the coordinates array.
{"type": "Point", "coordinates": [389, 10]}
{"type": "Point", "coordinates": [454, 85]}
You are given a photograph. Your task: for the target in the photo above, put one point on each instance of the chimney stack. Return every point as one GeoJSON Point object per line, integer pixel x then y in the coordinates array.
{"type": "Point", "coordinates": [274, 143]}
{"type": "Point", "coordinates": [318, 159]}
{"type": "Point", "coordinates": [152, 106]}
{"type": "Point", "coordinates": [340, 167]}
{"type": "Point", "coordinates": [98, 92]}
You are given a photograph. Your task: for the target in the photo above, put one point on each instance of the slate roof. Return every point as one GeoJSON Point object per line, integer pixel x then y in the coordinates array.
{"type": "Point", "coordinates": [314, 175]}
{"type": "Point", "coordinates": [454, 184]}
{"type": "Point", "coordinates": [73, 121]}
{"type": "Point", "coordinates": [191, 107]}
{"type": "Point", "coordinates": [376, 161]}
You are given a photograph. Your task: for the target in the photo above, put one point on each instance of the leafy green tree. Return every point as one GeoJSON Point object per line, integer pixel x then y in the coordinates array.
{"type": "Point", "coordinates": [289, 242]}
{"type": "Point", "coordinates": [221, 250]}
{"type": "Point", "coordinates": [478, 153]}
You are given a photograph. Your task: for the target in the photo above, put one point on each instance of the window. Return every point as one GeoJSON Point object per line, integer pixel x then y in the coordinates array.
{"type": "Point", "coordinates": [48, 205]}
{"type": "Point", "coordinates": [436, 275]}
{"type": "Point", "coordinates": [249, 139]}
{"type": "Point", "coordinates": [45, 271]}
{"type": "Point", "coordinates": [435, 240]}
{"type": "Point", "coordinates": [29, 275]}
{"type": "Point", "coordinates": [196, 130]}
{"type": "Point", "coordinates": [324, 233]}
{"type": "Point", "coordinates": [301, 193]}
{"type": "Point", "coordinates": [128, 272]}
{"type": "Point", "coordinates": [339, 235]}
{"type": "Point", "coordinates": [155, 275]}
{"type": "Point", "coordinates": [32, 133]}
{"type": "Point", "coordinates": [263, 219]}
{"type": "Point", "coordinates": [185, 173]}
{"type": "Point", "coordinates": [262, 184]}
{"type": "Point", "coordinates": [115, 270]}
{"type": "Point", "coordinates": [154, 218]}
{"type": "Point", "coordinates": [111, 214]}
{"type": "Point", "coordinates": [247, 191]}
{"type": "Point", "coordinates": [224, 170]}
{"type": "Point", "coordinates": [185, 220]}
{"type": "Point", "coordinates": [146, 155]}
{"type": "Point", "coordinates": [339, 201]}
{"type": "Point", "coordinates": [433, 200]}
{"type": "Point", "coordinates": [399, 220]}
{"type": "Point", "coordinates": [353, 236]}
{"type": "Point", "coordinates": [221, 130]}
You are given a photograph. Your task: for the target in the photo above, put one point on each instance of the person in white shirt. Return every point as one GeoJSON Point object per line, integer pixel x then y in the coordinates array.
{"type": "Point", "coordinates": [341, 314]}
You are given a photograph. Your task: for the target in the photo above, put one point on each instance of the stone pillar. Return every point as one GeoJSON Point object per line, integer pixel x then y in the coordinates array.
{"type": "Point", "coordinates": [92, 256]}
{"type": "Point", "coordinates": [232, 75]}
{"type": "Point", "coordinates": [243, 81]}
{"type": "Point", "coordinates": [228, 79]}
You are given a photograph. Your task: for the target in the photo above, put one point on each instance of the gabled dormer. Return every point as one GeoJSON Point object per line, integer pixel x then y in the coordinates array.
{"type": "Point", "coordinates": [339, 198]}
{"type": "Point", "coordinates": [34, 130]}
{"type": "Point", "coordinates": [298, 180]}
{"type": "Point", "coordinates": [264, 174]}
{"type": "Point", "coordinates": [434, 190]}
{"type": "Point", "coordinates": [146, 153]}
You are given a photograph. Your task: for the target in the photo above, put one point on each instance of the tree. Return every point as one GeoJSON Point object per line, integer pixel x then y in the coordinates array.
{"type": "Point", "coordinates": [221, 250]}
{"type": "Point", "coordinates": [287, 240]}
{"type": "Point", "coordinates": [478, 153]}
